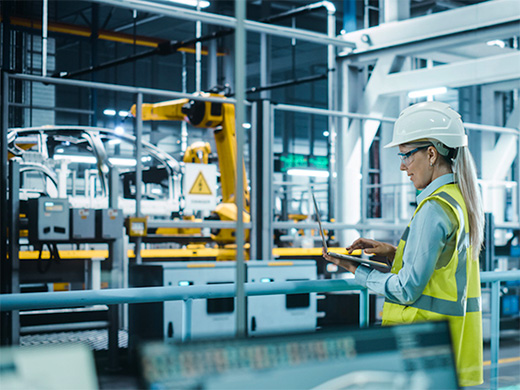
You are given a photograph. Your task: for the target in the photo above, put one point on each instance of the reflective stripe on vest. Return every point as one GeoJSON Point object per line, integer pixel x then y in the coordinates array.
{"type": "Point", "coordinates": [462, 304]}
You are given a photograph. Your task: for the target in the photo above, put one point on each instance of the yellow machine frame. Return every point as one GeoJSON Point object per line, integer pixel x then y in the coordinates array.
{"type": "Point", "coordinates": [220, 117]}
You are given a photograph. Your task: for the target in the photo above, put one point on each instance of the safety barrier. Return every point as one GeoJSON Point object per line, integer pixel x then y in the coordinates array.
{"type": "Point", "coordinates": [495, 278]}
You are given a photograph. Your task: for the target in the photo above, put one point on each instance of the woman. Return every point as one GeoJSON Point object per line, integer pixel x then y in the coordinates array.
{"type": "Point", "coordinates": [435, 271]}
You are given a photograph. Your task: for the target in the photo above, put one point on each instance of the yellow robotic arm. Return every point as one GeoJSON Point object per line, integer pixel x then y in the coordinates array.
{"type": "Point", "coordinates": [164, 111]}
{"type": "Point", "coordinates": [220, 117]}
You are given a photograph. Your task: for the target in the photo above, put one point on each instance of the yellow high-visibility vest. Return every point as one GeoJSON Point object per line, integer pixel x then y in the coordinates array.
{"type": "Point", "coordinates": [452, 293]}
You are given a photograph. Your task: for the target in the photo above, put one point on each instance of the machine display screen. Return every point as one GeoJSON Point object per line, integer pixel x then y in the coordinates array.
{"type": "Point", "coordinates": [51, 206]}
{"type": "Point", "coordinates": [406, 356]}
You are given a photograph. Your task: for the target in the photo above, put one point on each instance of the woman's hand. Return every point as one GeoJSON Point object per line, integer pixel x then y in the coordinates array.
{"type": "Point", "coordinates": [348, 265]}
{"type": "Point", "coordinates": [373, 247]}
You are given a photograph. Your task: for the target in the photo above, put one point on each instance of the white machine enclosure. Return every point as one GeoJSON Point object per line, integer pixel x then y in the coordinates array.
{"type": "Point", "coordinates": [209, 317]}
{"type": "Point", "coordinates": [215, 317]}
{"type": "Point", "coordinates": [274, 314]}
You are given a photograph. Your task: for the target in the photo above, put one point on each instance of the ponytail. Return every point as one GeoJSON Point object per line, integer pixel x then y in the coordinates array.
{"type": "Point", "coordinates": [465, 175]}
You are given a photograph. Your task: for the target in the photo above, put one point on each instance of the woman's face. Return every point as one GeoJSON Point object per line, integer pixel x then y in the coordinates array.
{"type": "Point", "coordinates": [416, 163]}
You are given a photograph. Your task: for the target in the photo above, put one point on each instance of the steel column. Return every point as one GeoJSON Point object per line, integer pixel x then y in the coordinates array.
{"type": "Point", "coordinates": [186, 319]}
{"type": "Point", "coordinates": [495, 332]}
{"type": "Point", "coordinates": [262, 173]}
{"type": "Point", "coordinates": [240, 87]}
{"type": "Point", "coordinates": [138, 169]}
{"type": "Point", "coordinates": [116, 253]}
{"type": "Point", "coordinates": [12, 335]}
{"type": "Point", "coordinates": [331, 105]}
{"type": "Point", "coordinates": [364, 309]}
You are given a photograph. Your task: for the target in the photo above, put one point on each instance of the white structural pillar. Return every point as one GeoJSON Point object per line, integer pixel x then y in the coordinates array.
{"type": "Point", "coordinates": [365, 99]}
{"type": "Point", "coordinates": [502, 151]}
{"type": "Point", "coordinates": [394, 10]}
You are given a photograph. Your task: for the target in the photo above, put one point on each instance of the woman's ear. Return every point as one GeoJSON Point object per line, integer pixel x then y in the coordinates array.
{"type": "Point", "coordinates": [432, 155]}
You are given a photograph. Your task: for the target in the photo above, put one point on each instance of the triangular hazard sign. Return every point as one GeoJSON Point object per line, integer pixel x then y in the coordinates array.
{"type": "Point", "coordinates": [200, 186]}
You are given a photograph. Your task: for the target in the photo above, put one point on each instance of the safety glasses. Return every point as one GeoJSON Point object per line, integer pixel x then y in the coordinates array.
{"type": "Point", "coordinates": [406, 157]}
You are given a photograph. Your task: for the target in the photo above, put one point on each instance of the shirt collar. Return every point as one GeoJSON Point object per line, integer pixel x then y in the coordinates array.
{"type": "Point", "coordinates": [434, 186]}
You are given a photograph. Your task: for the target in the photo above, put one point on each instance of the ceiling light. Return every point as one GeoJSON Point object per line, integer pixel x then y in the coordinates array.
{"type": "Point", "coordinates": [192, 3]}
{"type": "Point", "coordinates": [326, 133]}
{"type": "Point", "coordinates": [123, 114]}
{"type": "Point", "coordinates": [497, 42]}
{"type": "Point", "coordinates": [119, 129]}
{"type": "Point", "coordinates": [76, 159]}
{"type": "Point", "coordinates": [427, 92]}
{"type": "Point", "coordinates": [308, 172]}
{"type": "Point", "coordinates": [123, 162]}
{"type": "Point", "coordinates": [109, 112]}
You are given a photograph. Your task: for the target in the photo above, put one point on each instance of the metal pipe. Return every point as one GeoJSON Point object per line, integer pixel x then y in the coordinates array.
{"type": "Point", "coordinates": [27, 301]}
{"type": "Point", "coordinates": [364, 309]}
{"type": "Point", "coordinates": [45, 23]}
{"type": "Point", "coordinates": [503, 276]}
{"type": "Point", "coordinates": [282, 107]}
{"type": "Point", "coordinates": [4, 229]}
{"type": "Point", "coordinates": [198, 53]}
{"type": "Point", "coordinates": [240, 87]}
{"type": "Point", "coordinates": [221, 20]}
{"type": "Point", "coordinates": [287, 83]}
{"type": "Point", "coordinates": [115, 87]}
{"type": "Point", "coordinates": [363, 200]}
{"type": "Point", "coordinates": [13, 271]}
{"type": "Point", "coordinates": [493, 129]}
{"type": "Point", "coordinates": [191, 224]}
{"type": "Point", "coordinates": [301, 11]}
{"type": "Point", "coordinates": [321, 111]}
{"type": "Point", "coordinates": [138, 169]}
{"type": "Point", "coordinates": [339, 226]}
{"type": "Point", "coordinates": [331, 105]}
{"type": "Point", "coordinates": [495, 332]}
{"type": "Point", "coordinates": [56, 109]}
{"type": "Point", "coordinates": [165, 48]}
{"type": "Point", "coordinates": [184, 124]}
{"type": "Point", "coordinates": [187, 305]}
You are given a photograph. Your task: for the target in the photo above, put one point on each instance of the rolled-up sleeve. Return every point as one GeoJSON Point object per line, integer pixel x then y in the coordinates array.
{"type": "Point", "coordinates": [430, 230]}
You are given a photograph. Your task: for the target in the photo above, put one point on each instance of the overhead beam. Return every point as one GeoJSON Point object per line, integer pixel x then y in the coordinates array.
{"type": "Point", "coordinates": [476, 23]}
{"type": "Point", "coordinates": [228, 21]}
{"type": "Point", "coordinates": [460, 74]}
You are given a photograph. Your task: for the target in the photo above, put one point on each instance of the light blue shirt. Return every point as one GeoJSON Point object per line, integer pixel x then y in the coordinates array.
{"type": "Point", "coordinates": [430, 244]}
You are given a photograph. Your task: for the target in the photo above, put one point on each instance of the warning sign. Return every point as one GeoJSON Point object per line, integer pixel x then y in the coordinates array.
{"type": "Point", "coordinates": [200, 186]}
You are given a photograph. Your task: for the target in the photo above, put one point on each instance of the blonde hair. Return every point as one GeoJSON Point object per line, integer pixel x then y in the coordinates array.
{"type": "Point", "coordinates": [465, 174]}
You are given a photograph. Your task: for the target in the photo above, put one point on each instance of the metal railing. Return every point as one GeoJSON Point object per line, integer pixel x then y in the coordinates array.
{"type": "Point", "coordinates": [495, 278]}
{"type": "Point", "coordinates": [186, 294]}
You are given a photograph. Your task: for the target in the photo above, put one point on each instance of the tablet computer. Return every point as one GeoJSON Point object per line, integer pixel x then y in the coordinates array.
{"type": "Point", "coordinates": [370, 263]}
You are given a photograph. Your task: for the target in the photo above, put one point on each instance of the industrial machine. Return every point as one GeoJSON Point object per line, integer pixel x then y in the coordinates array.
{"type": "Point", "coordinates": [220, 117]}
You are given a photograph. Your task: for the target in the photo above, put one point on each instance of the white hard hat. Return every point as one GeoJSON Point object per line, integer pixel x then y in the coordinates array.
{"type": "Point", "coordinates": [429, 120]}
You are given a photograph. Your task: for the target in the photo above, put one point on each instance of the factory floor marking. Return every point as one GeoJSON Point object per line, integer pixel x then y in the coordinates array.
{"type": "Point", "coordinates": [502, 361]}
